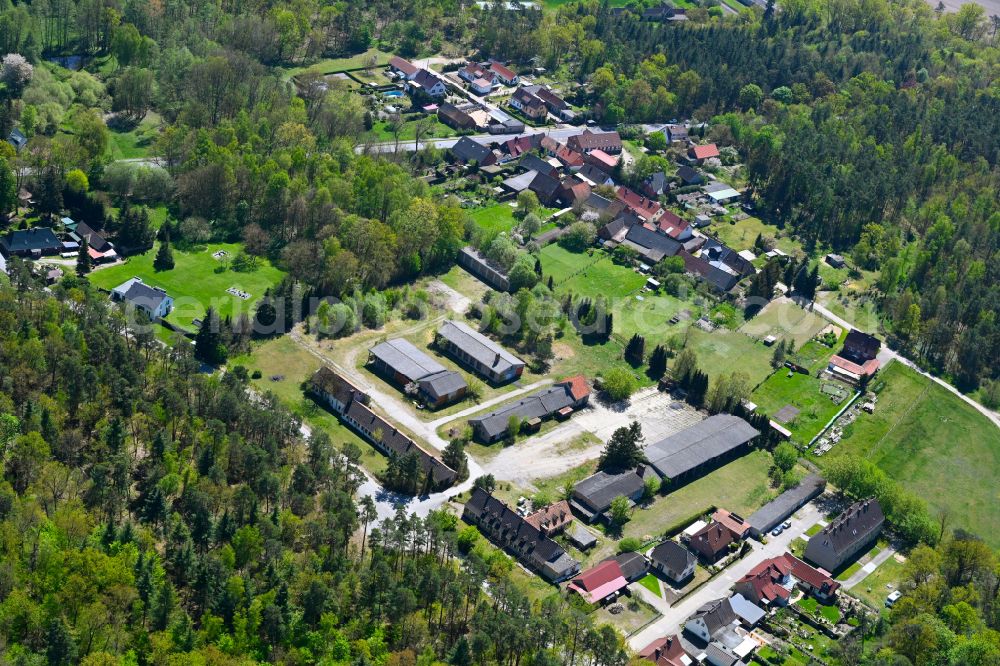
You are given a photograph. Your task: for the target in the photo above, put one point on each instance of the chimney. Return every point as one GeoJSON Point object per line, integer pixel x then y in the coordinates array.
{"type": "Point", "coordinates": [496, 359]}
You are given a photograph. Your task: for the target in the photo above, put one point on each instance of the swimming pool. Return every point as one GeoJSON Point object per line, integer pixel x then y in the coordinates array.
{"type": "Point", "coordinates": [393, 93]}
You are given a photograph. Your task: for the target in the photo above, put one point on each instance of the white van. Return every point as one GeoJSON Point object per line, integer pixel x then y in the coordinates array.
{"type": "Point", "coordinates": [893, 597]}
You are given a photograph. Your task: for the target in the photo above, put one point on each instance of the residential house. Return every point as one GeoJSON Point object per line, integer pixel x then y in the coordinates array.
{"type": "Point", "coordinates": [852, 533]}
{"type": "Point", "coordinates": [711, 542]}
{"type": "Point", "coordinates": [675, 562]}
{"type": "Point", "coordinates": [769, 516]}
{"type": "Point", "coordinates": [351, 405]}
{"type": "Point", "coordinates": [592, 497]}
{"type": "Point", "coordinates": [467, 150]}
{"type": "Point", "coordinates": [412, 369]}
{"type": "Point", "coordinates": [17, 139]}
{"type": "Point", "coordinates": [481, 86]}
{"type": "Point", "coordinates": [737, 526]}
{"type": "Point", "coordinates": [557, 105]}
{"type": "Point", "coordinates": [529, 104]}
{"type": "Point", "coordinates": [428, 82]}
{"type": "Point", "coordinates": [480, 76]}
{"type": "Point", "coordinates": [749, 613]}
{"type": "Point", "coordinates": [152, 301]}
{"type": "Point", "coordinates": [585, 142]}
{"type": "Point", "coordinates": [771, 582]}
{"type": "Point", "coordinates": [513, 533]}
{"type": "Point", "coordinates": [521, 145]}
{"type": "Point", "coordinates": [720, 279]}
{"type": "Point", "coordinates": [699, 153]}
{"type": "Point", "coordinates": [549, 145]}
{"type": "Point", "coordinates": [546, 188]}
{"type": "Point", "coordinates": [559, 400]}
{"type": "Point", "coordinates": [34, 242]}
{"type": "Point", "coordinates": [675, 133]}
{"type": "Point", "coordinates": [666, 651]}
{"type": "Point", "coordinates": [699, 448]}
{"type": "Point", "coordinates": [532, 162]}
{"type": "Point", "coordinates": [403, 67]}
{"type": "Point", "coordinates": [689, 176]}
{"type": "Point", "coordinates": [573, 191]}
{"type": "Point", "coordinates": [651, 246]}
{"type": "Point", "coordinates": [595, 175]}
{"type": "Point", "coordinates": [604, 581]}
{"type": "Point", "coordinates": [454, 117]}
{"type": "Point", "coordinates": [648, 209]}
{"type": "Point", "coordinates": [675, 226]}
{"type": "Point", "coordinates": [569, 158]}
{"type": "Point", "coordinates": [478, 352]}
{"type": "Point", "coordinates": [484, 269]}
{"type": "Point", "coordinates": [858, 359]}
{"type": "Point", "coordinates": [656, 185]}
{"type": "Point", "coordinates": [551, 519]}
{"type": "Point", "coordinates": [721, 193]}
{"type": "Point", "coordinates": [99, 249]}
{"type": "Point", "coordinates": [506, 75]}
{"type": "Point", "coordinates": [662, 12]}
{"type": "Point", "coordinates": [633, 565]}
{"type": "Point", "coordinates": [614, 231]}
{"type": "Point", "coordinates": [601, 160]}
{"type": "Point", "coordinates": [711, 619]}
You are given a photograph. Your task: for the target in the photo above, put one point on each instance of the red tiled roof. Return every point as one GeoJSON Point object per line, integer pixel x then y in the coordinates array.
{"type": "Point", "coordinates": [706, 151]}
{"type": "Point", "coordinates": [578, 387]}
{"type": "Point", "coordinates": [504, 72]}
{"type": "Point", "coordinates": [764, 577]}
{"type": "Point", "coordinates": [599, 582]}
{"type": "Point", "coordinates": [568, 156]}
{"type": "Point", "coordinates": [604, 158]}
{"type": "Point", "coordinates": [666, 651]}
{"type": "Point", "coordinates": [811, 575]}
{"type": "Point", "coordinates": [868, 368]}
{"type": "Point", "coordinates": [736, 525]}
{"type": "Point", "coordinates": [403, 65]}
{"type": "Point", "coordinates": [672, 224]}
{"type": "Point", "coordinates": [551, 517]}
{"type": "Point", "coordinates": [640, 205]}
{"type": "Point", "coordinates": [711, 539]}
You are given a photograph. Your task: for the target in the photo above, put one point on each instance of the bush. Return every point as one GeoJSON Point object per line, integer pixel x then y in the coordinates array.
{"type": "Point", "coordinates": [466, 539]}
{"type": "Point", "coordinates": [629, 545]}
{"type": "Point", "coordinates": [620, 384]}
{"type": "Point", "coordinates": [578, 237]}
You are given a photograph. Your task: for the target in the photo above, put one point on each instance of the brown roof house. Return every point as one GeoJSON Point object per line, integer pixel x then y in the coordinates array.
{"type": "Point", "coordinates": [666, 651]}
{"type": "Point", "coordinates": [739, 528]}
{"type": "Point", "coordinates": [552, 519]}
{"type": "Point", "coordinates": [845, 538]}
{"type": "Point", "coordinates": [609, 142]}
{"type": "Point", "coordinates": [529, 104]}
{"type": "Point", "coordinates": [711, 542]}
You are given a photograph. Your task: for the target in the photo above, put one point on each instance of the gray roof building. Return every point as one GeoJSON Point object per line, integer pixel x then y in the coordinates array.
{"type": "Point", "coordinates": [633, 565]}
{"type": "Point", "coordinates": [673, 560]}
{"type": "Point", "coordinates": [767, 517]}
{"type": "Point", "coordinates": [847, 536]}
{"type": "Point", "coordinates": [652, 246]}
{"type": "Point", "coordinates": [747, 611]}
{"type": "Point", "coordinates": [24, 242]}
{"type": "Point", "coordinates": [405, 364]}
{"type": "Point", "coordinates": [593, 496]}
{"type": "Point", "coordinates": [692, 450]}
{"type": "Point", "coordinates": [471, 260]}
{"type": "Point", "coordinates": [467, 150]}
{"type": "Point", "coordinates": [568, 394]}
{"type": "Point", "coordinates": [474, 349]}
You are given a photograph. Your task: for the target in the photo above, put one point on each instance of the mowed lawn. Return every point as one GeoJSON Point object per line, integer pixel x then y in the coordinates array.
{"type": "Point", "coordinates": [494, 219]}
{"type": "Point", "coordinates": [137, 142]}
{"type": "Point", "coordinates": [802, 392]}
{"type": "Point", "coordinates": [741, 486]}
{"type": "Point", "coordinates": [193, 283]}
{"type": "Point", "coordinates": [935, 445]}
{"type": "Point", "coordinates": [588, 275]}
{"type": "Point", "coordinates": [724, 351]}
{"type": "Point", "coordinates": [785, 320]}
{"type": "Point", "coordinates": [741, 235]}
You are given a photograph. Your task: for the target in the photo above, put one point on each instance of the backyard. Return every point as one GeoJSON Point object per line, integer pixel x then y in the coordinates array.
{"type": "Point", "coordinates": [785, 320]}
{"type": "Point", "coordinates": [796, 401]}
{"type": "Point", "coordinates": [723, 351]}
{"type": "Point", "coordinates": [931, 442]}
{"type": "Point", "coordinates": [197, 281]}
{"type": "Point", "coordinates": [742, 234]}
{"type": "Point", "coordinates": [589, 274]}
{"type": "Point", "coordinates": [500, 217]}
{"type": "Point", "coordinates": [880, 583]}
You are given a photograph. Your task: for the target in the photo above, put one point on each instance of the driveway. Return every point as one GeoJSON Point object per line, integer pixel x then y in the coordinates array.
{"type": "Point", "coordinates": [550, 454]}
{"type": "Point", "coordinates": [718, 587]}
{"type": "Point", "coordinates": [870, 567]}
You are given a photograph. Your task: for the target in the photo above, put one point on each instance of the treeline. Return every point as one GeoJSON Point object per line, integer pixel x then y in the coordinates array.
{"type": "Point", "coordinates": [151, 514]}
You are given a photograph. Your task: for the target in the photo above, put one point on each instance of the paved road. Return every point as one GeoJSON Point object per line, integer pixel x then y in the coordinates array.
{"type": "Point", "coordinates": [886, 354]}
{"type": "Point", "coordinates": [719, 586]}
{"type": "Point", "coordinates": [558, 133]}
{"type": "Point", "coordinates": [868, 568]}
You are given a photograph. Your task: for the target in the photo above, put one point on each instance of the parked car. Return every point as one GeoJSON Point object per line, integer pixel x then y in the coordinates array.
{"type": "Point", "coordinates": [777, 530]}
{"type": "Point", "coordinates": [785, 525]}
{"type": "Point", "coordinates": [893, 597]}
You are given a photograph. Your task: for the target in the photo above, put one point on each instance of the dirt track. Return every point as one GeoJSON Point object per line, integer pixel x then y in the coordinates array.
{"type": "Point", "coordinates": [991, 6]}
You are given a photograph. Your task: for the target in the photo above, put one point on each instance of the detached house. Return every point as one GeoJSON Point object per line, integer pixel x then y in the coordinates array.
{"type": "Point", "coordinates": [404, 68]}
{"type": "Point", "coordinates": [848, 536]}
{"type": "Point", "coordinates": [858, 357]}
{"type": "Point", "coordinates": [467, 150]}
{"type": "Point", "coordinates": [529, 104]}
{"type": "Point", "coordinates": [153, 301]}
{"type": "Point", "coordinates": [36, 242]}
{"type": "Point", "coordinates": [427, 82]}
{"type": "Point", "coordinates": [674, 561]}
{"type": "Point", "coordinates": [698, 154]}
{"type": "Point", "coordinates": [711, 542]}
{"type": "Point", "coordinates": [507, 76]}
{"type": "Point", "coordinates": [666, 651]}
{"type": "Point", "coordinates": [771, 582]}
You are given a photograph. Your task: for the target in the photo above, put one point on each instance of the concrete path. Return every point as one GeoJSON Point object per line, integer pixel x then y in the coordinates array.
{"type": "Point", "coordinates": [505, 397]}
{"type": "Point", "coordinates": [719, 586]}
{"type": "Point", "coordinates": [869, 568]}
{"type": "Point", "coordinates": [886, 354]}
{"type": "Point", "coordinates": [654, 600]}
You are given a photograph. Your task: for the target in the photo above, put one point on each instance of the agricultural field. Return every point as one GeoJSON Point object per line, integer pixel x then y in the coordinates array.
{"type": "Point", "coordinates": [931, 442]}
{"type": "Point", "coordinates": [785, 319]}
{"type": "Point", "coordinates": [197, 281]}
{"type": "Point", "coordinates": [785, 391]}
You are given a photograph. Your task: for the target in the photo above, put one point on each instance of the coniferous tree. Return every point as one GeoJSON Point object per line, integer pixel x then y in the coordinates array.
{"type": "Point", "coordinates": [164, 260]}
{"type": "Point", "coordinates": [83, 262]}
{"type": "Point", "coordinates": [658, 362]}
{"type": "Point", "coordinates": [208, 345]}
{"type": "Point", "coordinates": [635, 350]}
